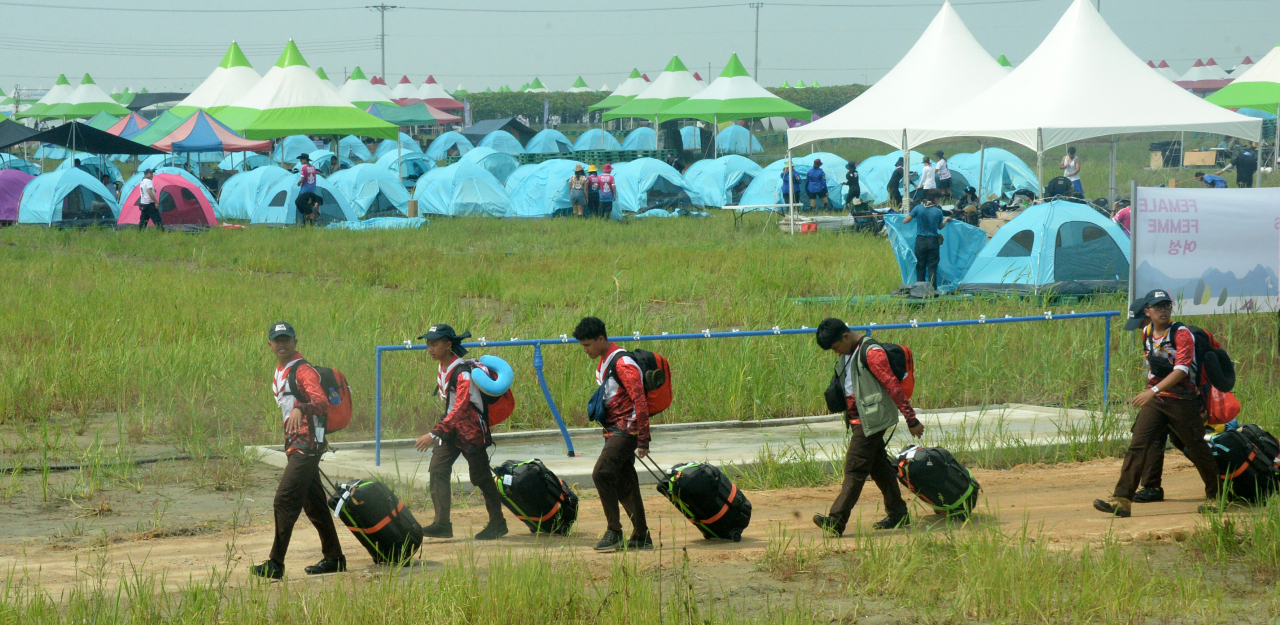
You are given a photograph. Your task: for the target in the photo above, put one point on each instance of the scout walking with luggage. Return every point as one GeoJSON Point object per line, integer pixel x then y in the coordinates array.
{"type": "Point", "coordinates": [462, 431]}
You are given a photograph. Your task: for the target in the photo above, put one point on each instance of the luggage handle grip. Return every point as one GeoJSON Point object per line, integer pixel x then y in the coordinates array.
{"type": "Point", "coordinates": [657, 476]}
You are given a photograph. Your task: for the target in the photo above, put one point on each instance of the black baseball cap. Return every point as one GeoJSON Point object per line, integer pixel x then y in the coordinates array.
{"type": "Point", "coordinates": [279, 329]}
{"type": "Point", "coordinates": [304, 157]}
{"type": "Point", "coordinates": [445, 331]}
{"type": "Point", "coordinates": [1137, 310]}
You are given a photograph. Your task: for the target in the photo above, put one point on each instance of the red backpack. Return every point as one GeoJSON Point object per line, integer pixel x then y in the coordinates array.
{"type": "Point", "coordinates": [901, 360]}
{"type": "Point", "coordinates": [335, 389]}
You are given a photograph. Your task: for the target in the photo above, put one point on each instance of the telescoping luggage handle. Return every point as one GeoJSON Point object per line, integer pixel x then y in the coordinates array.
{"type": "Point", "coordinates": [688, 514]}
{"type": "Point", "coordinates": [657, 476]}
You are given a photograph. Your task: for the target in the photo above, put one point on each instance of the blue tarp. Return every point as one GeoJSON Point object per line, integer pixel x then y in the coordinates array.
{"type": "Point", "coordinates": [380, 223]}
{"type": "Point", "coordinates": [439, 148]}
{"type": "Point", "coordinates": [596, 139]}
{"type": "Point", "coordinates": [243, 192]}
{"type": "Point", "coordinates": [277, 206]}
{"type": "Point", "coordinates": [372, 190]}
{"type": "Point", "coordinates": [715, 180]}
{"type": "Point", "coordinates": [9, 161]}
{"type": "Point", "coordinates": [641, 138]}
{"type": "Point", "coordinates": [1003, 172]}
{"type": "Point", "coordinates": [407, 146]}
{"type": "Point", "coordinates": [549, 141]}
{"type": "Point", "coordinates": [353, 147]}
{"type": "Point", "coordinates": [461, 190]}
{"type": "Point", "coordinates": [67, 197]}
{"type": "Point", "coordinates": [960, 244]}
{"type": "Point", "coordinates": [735, 139]}
{"type": "Point", "coordinates": [244, 161]}
{"type": "Point", "coordinates": [647, 183]}
{"type": "Point", "coordinates": [691, 138]}
{"type": "Point", "coordinates": [293, 147]}
{"type": "Point", "coordinates": [136, 179]}
{"type": "Point", "coordinates": [96, 166]}
{"type": "Point", "coordinates": [767, 186]}
{"type": "Point", "coordinates": [1060, 246]}
{"type": "Point", "coordinates": [412, 166]}
{"type": "Point", "coordinates": [500, 164]}
{"type": "Point", "coordinates": [542, 190]}
{"type": "Point", "coordinates": [501, 141]}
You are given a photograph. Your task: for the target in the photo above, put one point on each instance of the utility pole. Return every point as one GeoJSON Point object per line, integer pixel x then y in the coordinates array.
{"type": "Point", "coordinates": [382, 39]}
{"type": "Point", "coordinates": [755, 70]}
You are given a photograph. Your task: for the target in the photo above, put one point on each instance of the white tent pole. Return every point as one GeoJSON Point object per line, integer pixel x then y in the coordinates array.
{"type": "Point", "coordinates": [1111, 195]}
{"type": "Point", "coordinates": [790, 172]}
{"type": "Point", "coordinates": [1040, 160]}
{"type": "Point", "coordinates": [715, 136]}
{"type": "Point", "coordinates": [982, 167]}
{"type": "Point", "coordinates": [1275, 147]}
{"type": "Point", "coordinates": [906, 175]}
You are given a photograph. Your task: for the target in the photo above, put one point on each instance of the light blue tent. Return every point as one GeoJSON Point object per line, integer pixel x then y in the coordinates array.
{"type": "Point", "coordinates": [243, 192]}
{"type": "Point", "coordinates": [501, 141]}
{"type": "Point", "coordinates": [596, 139]}
{"type": "Point", "coordinates": [67, 197]}
{"type": "Point", "coordinates": [156, 161]}
{"type": "Point", "coordinates": [1060, 246]}
{"type": "Point", "coordinates": [278, 206]}
{"type": "Point", "coordinates": [136, 179]}
{"type": "Point", "coordinates": [323, 160]}
{"type": "Point", "coordinates": [50, 152]}
{"type": "Point", "coordinates": [518, 176]}
{"type": "Point", "coordinates": [500, 164]}
{"type": "Point", "coordinates": [449, 141]}
{"type": "Point", "coordinates": [648, 183]}
{"type": "Point", "coordinates": [874, 173]}
{"type": "Point", "coordinates": [9, 161]}
{"type": "Point", "coordinates": [353, 147]}
{"type": "Point", "coordinates": [407, 146]}
{"type": "Point", "coordinates": [96, 166]}
{"type": "Point", "coordinates": [373, 191]}
{"type": "Point", "coordinates": [691, 138]}
{"type": "Point", "coordinates": [292, 147]}
{"type": "Point", "coordinates": [1003, 173]}
{"type": "Point", "coordinates": [461, 190]}
{"type": "Point", "coordinates": [549, 141]}
{"type": "Point", "coordinates": [960, 245]}
{"type": "Point", "coordinates": [720, 182]}
{"type": "Point", "coordinates": [244, 161]}
{"type": "Point", "coordinates": [735, 139]}
{"type": "Point", "coordinates": [642, 138]}
{"type": "Point", "coordinates": [766, 188]}
{"type": "Point", "coordinates": [412, 166]}
{"type": "Point", "coordinates": [544, 190]}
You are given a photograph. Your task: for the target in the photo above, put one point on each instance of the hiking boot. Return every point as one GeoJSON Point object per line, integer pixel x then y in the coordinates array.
{"type": "Point", "coordinates": [494, 530]}
{"type": "Point", "coordinates": [639, 544]}
{"type": "Point", "coordinates": [438, 530]}
{"type": "Point", "coordinates": [1118, 506]}
{"type": "Point", "coordinates": [269, 569]}
{"type": "Point", "coordinates": [1150, 494]}
{"type": "Point", "coordinates": [890, 523]}
{"type": "Point", "coordinates": [611, 541]}
{"type": "Point", "coordinates": [827, 525]}
{"type": "Point", "coordinates": [1208, 507]}
{"type": "Point", "coordinates": [337, 565]}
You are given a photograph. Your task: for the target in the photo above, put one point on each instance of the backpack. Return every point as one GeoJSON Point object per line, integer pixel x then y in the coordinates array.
{"type": "Point", "coordinates": [1216, 367]}
{"type": "Point", "coordinates": [654, 370]}
{"type": "Point", "coordinates": [1267, 444]}
{"type": "Point", "coordinates": [496, 408]}
{"type": "Point", "coordinates": [1242, 467]}
{"type": "Point", "coordinates": [335, 388]}
{"type": "Point", "coordinates": [935, 477]}
{"type": "Point", "coordinates": [901, 360]}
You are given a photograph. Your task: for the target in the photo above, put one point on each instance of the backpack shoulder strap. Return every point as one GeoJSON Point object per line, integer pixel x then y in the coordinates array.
{"type": "Point", "coordinates": [293, 375]}
{"type": "Point", "coordinates": [864, 347]}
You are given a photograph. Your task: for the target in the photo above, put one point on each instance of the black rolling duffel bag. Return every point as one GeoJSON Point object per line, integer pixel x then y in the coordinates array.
{"type": "Point", "coordinates": [707, 497]}
{"type": "Point", "coordinates": [536, 496]}
{"type": "Point", "coordinates": [1245, 470]}
{"type": "Point", "coordinates": [935, 477]}
{"type": "Point", "coordinates": [379, 520]}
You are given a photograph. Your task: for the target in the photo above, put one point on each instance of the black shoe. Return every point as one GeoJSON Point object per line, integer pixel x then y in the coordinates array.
{"type": "Point", "coordinates": [1150, 494]}
{"type": "Point", "coordinates": [493, 531]}
{"type": "Point", "coordinates": [269, 569]}
{"type": "Point", "coordinates": [611, 541]}
{"type": "Point", "coordinates": [639, 544]}
{"type": "Point", "coordinates": [1117, 506]}
{"type": "Point", "coordinates": [438, 530]}
{"type": "Point", "coordinates": [337, 565]}
{"type": "Point", "coordinates": [827, 525]}
{"type": "Point", "coordinates": [889, 523]}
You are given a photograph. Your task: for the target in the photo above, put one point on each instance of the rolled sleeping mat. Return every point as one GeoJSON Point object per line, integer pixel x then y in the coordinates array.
{"type": "Point", "coordinates": [496, 386]}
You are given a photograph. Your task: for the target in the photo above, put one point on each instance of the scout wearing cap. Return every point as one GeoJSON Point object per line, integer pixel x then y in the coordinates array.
{"type": "Point", "coordinates": [1138, 309]}
{"type": "Point", "coordinates": [445, 331]}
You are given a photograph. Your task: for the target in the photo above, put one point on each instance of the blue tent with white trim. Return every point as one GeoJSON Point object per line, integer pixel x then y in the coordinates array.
{"type": "Point", "coordinates": [244, 161]}
{"type": "Point", "coordinates": [292, 147]}
{"type": "Point", "coordinates": [1061, 246]}
{"type": "Point", "coordinates": [519, 175]}
{"type": "Point", "coordinates": [323, 161]}
{"type": "Point", "coordinates": [766, 188]}
{"type": "Point", "coordinates": [501, 141]}
{"type": "Point", "coordinates": [500, 164]}
{"type": "Point", "coordinates": [596, 139]}
{"type": "Point", "coordinates": [9, 161]}
{"type": "Point", "coordinates": [874, 173]}
{"type": "Point", "coordinates": [353, 147]}
{"type": "Point", "coordinates": [960, 245]}
{"type": "Point", "coordinates": [735, 139]}
{"type": "Point", "coordinates": [373, 191]}
{"type": "Point", "coordinates": [67, 197]}
{"type": "Point", "coordinates": [642, 138]}
{"type": "Point", "coordinates": [542, 190]}
{"type": "Point", "coordinates": [406, 146]}
{"type": "Point", "coordinates": [94, 165]}
{"type": "Point", "coordinates": [278, 206]}
{"type": "Point", "coordinates": [648, 183]}
{"type": "Point", "coordinates": [440, 147]}
{"type": "Point", "coordinates": [1003, 173]}
{"type": "Point", "coordinates": [721, 181]}
{"type": "Point", "coordinates": [461, 190]}
{"type": "Point", "coordinates": [243, 192]}
{"type": "Point", "coordinates": [549, 141]}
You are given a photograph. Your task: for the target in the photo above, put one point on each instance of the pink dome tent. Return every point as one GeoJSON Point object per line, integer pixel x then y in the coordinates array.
{"type": "Point", "coordinates": [182, 203]}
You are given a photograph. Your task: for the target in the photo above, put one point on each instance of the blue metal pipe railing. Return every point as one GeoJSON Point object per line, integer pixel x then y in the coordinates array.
{"type": "Point", "coordinates": [537, 345]}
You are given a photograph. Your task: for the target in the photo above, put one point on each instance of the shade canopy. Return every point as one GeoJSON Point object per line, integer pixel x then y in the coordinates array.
{"type": "Point", "coordinates": [230, 80]}
{"type": "Point", "coordinates": [579, 86]}
{"type": "Point", "coordinates": [81, 137]}
{"type": "Point", "coordinates": [359, 91]}
{"type": "Point", "coordinates": [57, 95]}
{"type": "Point", "coordinates": [1203, 77]}
{"type": "Point", "coordinates": [103, 121]}
{"type": "Point", "coordinates": [1257, 88]}
{"type": "Point", "coordinates": [404, 89]}
{"type": "Point", "coordinates": [161, 126]}
{"type": "Point", "coordinates": [732, 96]}
{"type": "Point", "coordinates": [1164, 70]}
{"type": "Point", "coordinates": [629, 89]}
{"type": "Point", "coordinates": [202, 133]}
{"type": "Point", "coordinates": [957, 67]}
{"type": "Point", "coordinates": [85, 101]}
{"type": "Point", "coordinates": [1039, 105]}
{"type": "Point", "coordinates": [412, 115]}
{"type": "Point", "coordinates": [675, 85]}
{"type": "Point", "coordinates": [129, 126]}
{"type": "Point", "coordinates": [433, 94]}
{"type": "Point", "coordinates": [13, 133]}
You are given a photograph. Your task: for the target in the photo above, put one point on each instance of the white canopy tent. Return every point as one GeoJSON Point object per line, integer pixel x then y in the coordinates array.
{"type": "Point", "coordinates": [1203, 77]}
{"type": "Point", "coordinates": [359, 91]}
{"type": "Point", "coordinates": [1164, 70]}
{"type": "Point", "coordinates": [231, 79]}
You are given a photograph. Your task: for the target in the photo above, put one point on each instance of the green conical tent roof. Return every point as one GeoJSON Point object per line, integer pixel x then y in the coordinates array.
{"type": "Point", "coordinates": [633, 86]}
{"type": "Point", "coordinates": [321, 74]}
{"type": "Point", "coordinates": [786, 85]}
{"type": "Point", "coordinates": [579, 83]}
{"type": "Point", "coordinates": [536, 85]}
{"type": "Point", "coordinates": [815, 84]}
{"type": "Point", "coordinates": [234, 58]}
{"type": "Point", "coordinates": [732, 96]}
{"type": "Point", "coordinates": [1003, 61]}
{"type": "Point", "coordinates": [676, 84]}
{"type": "Point", "coordinates": [800, 85]}
{"type": "Point", "coordinates": [144, 90]}
{"type": "Point", "coordinates": [358, 74]}
{"type": "Point", "coordinates": [87, 100]}
{"type": "Point", "coordinates": [488, 89]}
{"type": "Point", "coordinates": [291, 57]}
{"type": "Point", "coordinates": [56, 95]}
{"type": "Point", "coordinates": [504, 89]}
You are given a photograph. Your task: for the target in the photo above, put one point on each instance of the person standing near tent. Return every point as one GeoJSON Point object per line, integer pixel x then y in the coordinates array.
{"type": "Point", "coordinates": [608, 190]}
{"type": "Point", "coordinates": [929, 220]}
{"type": "Point", "coordinates": [942, 173]}
{"type": "Point", "coordinates": [1171, 401]}
{"type": "Point", "coordinates": [304, 407]}
{"type": "Point", "coordinates": [593, 191]}
{"type": "Point", "coordinates": [1122, 214]}
{"type": "Point", "coordinates": [111, 185]}
{"type": "Point", "coordinates": [1071, 169]}
{"type": "Point", "coordinates": [578, 190]}
{"type": "Point", "coordinates": [307, 196]}
{"type": "Point", "coordinates": [1212, 181]}
{"type": "Point", "coordinates": [853, 186]}
{"type": "Point", "coordinates": [895, 184]}
{"type": "Point", "coordinates": [866, 378]}
{"type": "Point", "coordinates": [928, 181]}
{"type": "Point", "coordinates": [790, 183]}
{"type": "Point", "coordinates": [1246, 165]}
{"type": "Point", "coordinates": [147, 203]}
{"type": "Point", "coordinates": [816, 186]}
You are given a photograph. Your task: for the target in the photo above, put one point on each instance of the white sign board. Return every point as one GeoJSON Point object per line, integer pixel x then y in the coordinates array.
{"type": "Point", "coordinates": [1215, 250]}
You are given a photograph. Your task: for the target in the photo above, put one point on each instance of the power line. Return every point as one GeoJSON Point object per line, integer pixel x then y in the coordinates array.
{"type": "Point", "coordinates": [119, 9]}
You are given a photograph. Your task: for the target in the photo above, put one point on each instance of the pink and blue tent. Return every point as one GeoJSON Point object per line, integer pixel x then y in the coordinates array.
{"type": "Point", "coordinates": [202, 133]}
{"type": "Point", "coordinates": [130, 125]}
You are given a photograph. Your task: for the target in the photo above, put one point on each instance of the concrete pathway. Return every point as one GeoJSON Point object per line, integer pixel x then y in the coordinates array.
{"type": "Point", "coordinates": [721, 443]}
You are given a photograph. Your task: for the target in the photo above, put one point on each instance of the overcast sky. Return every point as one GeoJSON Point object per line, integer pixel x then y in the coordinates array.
{"type": "Point", "coordinates": [174, 44]}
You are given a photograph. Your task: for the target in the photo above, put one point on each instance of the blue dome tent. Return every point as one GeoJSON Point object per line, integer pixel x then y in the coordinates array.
{"type": "Point", "coordinates": [691, 138]}
{"type": "Point", "coordinates": [874, 173]}
{"type": "Point", "coordinates": [766, 188]}
{"type": "Point", "coordinates": [412, 166]}
{"type": "Point", "coordinates": [519, 175]}
{"type": "Point", "coordinates": [501, 141]}
{"type": "Point", "coordinates": [596, 139]}
{"type": "Point", "coordinates": [353, 147]}
{"type": "Point", "coordinates": [647, 183]}
{"type": "Point", "coordinates": [136, 179]}
{"type": "Point", "coordinates": [960, 244]}
{"type": "Point", "coordinates": [549, 141]}
{"type": "Point", "coordinates": [95, 166]}
{"type": "Point", "coordinates": [51, 152]}
{"type": "Point", "coordinates": [373, 191]}
{"type": "Point", "coordinates": [277, 206]}
{"type": "Point", "coordinates": [720, 182]}
{"type": "Point", "coordinates": [642, 138]}
{"type": "Point", "coordinates": [449, 141]}
{"type": "Point", "coordinates": [323, 161]}
{"type": "Point", "coordinates": [543, 191]}
{"type": "Point", "coordinates": [67, 197]}
{"type": "Point", "coordinates": [500, 164]}
{"type": "Point", "coordinates": [1003, 173]}
{"type": "Point", "coordinates": [291, 148]}
{"type": "Point", "coordinates": [461, 190]}
{"type": "Point", "coordinates": [9, 161]}
{"type": "Point", "coordinates": [243, 192]}
{"type": "Point", "coordinates": [244, 161]}
{"type": "Point", "coordinates": [406, 146]}
{"type": "Point", "coordinates": [735, 139]}
{"type": "Point", "coordinates": [1060, 246]}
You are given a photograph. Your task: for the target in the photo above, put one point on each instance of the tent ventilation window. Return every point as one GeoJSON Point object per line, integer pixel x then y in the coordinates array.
{"type": "Point", "coordinates": [1085, 251]}
{"type": "Point", "coordinates": [279, 199]}
{"type": "Point", "coordinates": [1019, 245]}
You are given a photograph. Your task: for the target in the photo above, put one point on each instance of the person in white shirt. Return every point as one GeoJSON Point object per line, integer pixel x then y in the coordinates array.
{"type": "Point", "coordinates": [943, 173]}
{"type": "Point", "coordinates": [147, 201]}
{"type": "Point", "coordinates": [928, 180]}
{"type": "Point", "coordinates": [1071, 169]}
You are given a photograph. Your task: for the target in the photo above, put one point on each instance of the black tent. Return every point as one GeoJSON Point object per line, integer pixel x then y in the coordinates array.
{"type": "Point", "coordinates": [143, 100]}
{"type": "Point", "coordinates": [13, 133]}
{"type": "Point", "coordinates": [78, 137]}
{"type": "Point", "coordinates": [481, 129]}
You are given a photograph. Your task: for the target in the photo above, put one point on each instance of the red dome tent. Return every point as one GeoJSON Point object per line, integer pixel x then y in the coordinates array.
{"type": "Point", "coordinates": [182, 203]}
